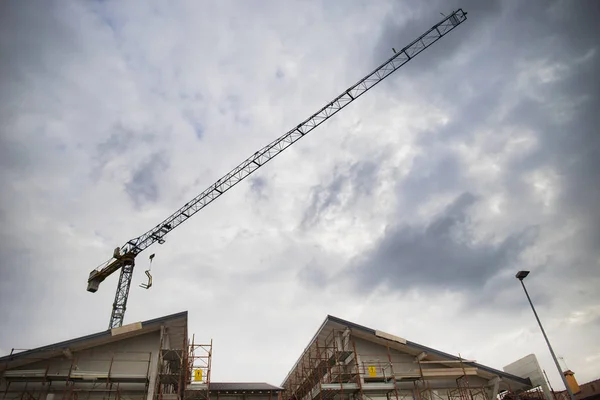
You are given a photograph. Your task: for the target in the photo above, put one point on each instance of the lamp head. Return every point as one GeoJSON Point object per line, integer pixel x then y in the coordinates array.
{"type": "Point", "coordinates": [521, 275]}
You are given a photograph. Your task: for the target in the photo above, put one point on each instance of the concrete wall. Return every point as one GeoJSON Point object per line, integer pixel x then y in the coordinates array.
{"type": "Point", "coordinates": [528, 367]}
{"type": "Point", "coordinates": [375, 354]}
{"type": "Point", "coordinates": [134, 356]}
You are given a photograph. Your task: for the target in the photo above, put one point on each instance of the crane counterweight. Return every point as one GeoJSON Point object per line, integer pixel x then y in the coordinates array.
{"type": "Point", "coordinates": [93, 283]}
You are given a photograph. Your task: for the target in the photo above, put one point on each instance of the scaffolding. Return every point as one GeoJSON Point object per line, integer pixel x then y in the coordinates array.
{"type": "Point", "coordinates": [180, 372]}
{"type": "Point", "coordinates": [184, 372]}
{"type": "Point", "coordinates": [464, 390]}
{"type": "Point", "coordinates": [171, 376]}
{"type": "Point", "coordinates": [198, 371]}
{"type": "Point", "coordinates": [331, 369]}
{"type": "Point", "coordinates": [533, 394]}
{"type": "Point", "coordinates": [67, 381]}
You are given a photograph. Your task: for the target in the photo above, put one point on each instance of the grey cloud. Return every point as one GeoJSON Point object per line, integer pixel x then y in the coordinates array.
{"type": "Point", "coordinates": [192, 115]}
{"type": "Point", "coordinates": [20, 282]}
{"type": "Point", "coordinates": [143, 186]}
{"type": "Point", "coordinates": [440, 254]}
{"type": "Point", "coordinates": [314, 274]}
{"type": "Point", "coordinates": [438, 171]}
{"type": "Point", "coordinates": [122, 139]}
{"type": "Point", "coordinates": [117, 144]}
{"type": "Point", "coordinates": [363, 176]}
{"type": "Point", "coordinates": [231, 106]}
{"type": "Point", "coordinates": [359, 179]}
{"type": "Point", "coordinates": [562, 115]}
{"type": "Point", "coordinates": [322, 198]}
{"type": "Point", "coordinates": [13, 155]}
{"type": "Point", "coordinates": [258, 186]}
{"type": "Point", "coordinates": [16, 255]}
{"type": "Point", "coordinates": [409, 19]}
{"type": "Point", "coordinates": [25, 54]}
{"type": "Point", "coordinates": [570, 143]}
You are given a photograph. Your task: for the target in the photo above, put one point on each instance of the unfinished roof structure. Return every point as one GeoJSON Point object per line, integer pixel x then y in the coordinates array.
{"type": "Point", "coordinates": [135, 361]}
{"type": "Point", "coordinates": [156, 359]}
{"type": "Point", "coordinates": [148, 360]}
{"type": "Point", "coordinates": [347, 360]}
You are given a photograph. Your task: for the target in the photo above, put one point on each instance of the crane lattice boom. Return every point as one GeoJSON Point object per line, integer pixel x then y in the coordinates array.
{"type": "Point", "coordinates": [123, 257]}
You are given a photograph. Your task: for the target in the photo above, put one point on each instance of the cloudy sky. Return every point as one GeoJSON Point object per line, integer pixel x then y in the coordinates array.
{"type": "Point", "coordinates": [409, 212]}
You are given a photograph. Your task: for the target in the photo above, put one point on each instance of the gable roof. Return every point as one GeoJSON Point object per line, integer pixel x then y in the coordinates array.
{"type": "Point", "coordinates": [364, 332]}
{"type": "Point", "coordinates": [177, 322]}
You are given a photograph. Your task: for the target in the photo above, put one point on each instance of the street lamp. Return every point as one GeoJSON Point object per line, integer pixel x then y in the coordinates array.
{"type": "Point", "coordinates": [520, 276]}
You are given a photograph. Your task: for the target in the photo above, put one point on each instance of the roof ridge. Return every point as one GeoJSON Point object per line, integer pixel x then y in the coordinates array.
{"type": "Point", "coordinates": [97, 335]}
{"type": "Point", "coordinates": [430, 350]}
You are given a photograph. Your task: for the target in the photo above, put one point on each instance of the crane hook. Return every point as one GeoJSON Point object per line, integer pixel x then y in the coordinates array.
{"type": "Point", "coordinates": [148, 274]}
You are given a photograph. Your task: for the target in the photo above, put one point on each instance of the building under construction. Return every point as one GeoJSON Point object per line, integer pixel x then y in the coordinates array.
{"type": "Point", "coordinates": [145, 360]}
{"type": "Point", "coordinates": [157, 359]}
{"type": "Point", "coordinates": [349, 361]}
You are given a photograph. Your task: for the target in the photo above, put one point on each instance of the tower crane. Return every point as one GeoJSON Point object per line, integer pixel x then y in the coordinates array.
{"type": "Point", "coordinates": [123, 257]}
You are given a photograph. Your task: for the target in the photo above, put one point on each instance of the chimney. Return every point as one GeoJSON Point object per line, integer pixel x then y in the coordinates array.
{"type": "Point", "coordinates": [571, 381]}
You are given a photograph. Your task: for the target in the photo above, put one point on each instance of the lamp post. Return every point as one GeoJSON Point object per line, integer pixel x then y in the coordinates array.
{"type": "Point", "coordinates": [520, 276]}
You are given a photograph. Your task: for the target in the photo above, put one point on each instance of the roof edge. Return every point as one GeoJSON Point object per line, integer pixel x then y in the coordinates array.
{"type": "Point", "coordinates": [525, 381]}
{"type": "Point", "coordinates": [306, 348]}
{"type": "Point", "coordinates": [92, 336]}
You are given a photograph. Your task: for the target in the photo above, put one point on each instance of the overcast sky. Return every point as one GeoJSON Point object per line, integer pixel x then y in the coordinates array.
{"type": "Point", "coordinates": [409, 212]}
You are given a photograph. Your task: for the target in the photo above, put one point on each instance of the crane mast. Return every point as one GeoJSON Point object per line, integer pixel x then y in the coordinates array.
{"type": "Point", "coordinates": [124, 256]}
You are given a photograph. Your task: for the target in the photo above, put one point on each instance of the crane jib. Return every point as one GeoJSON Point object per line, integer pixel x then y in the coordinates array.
{"type": "Point", "coordinates": [268, 152]}
{"type": "Point", "coordinates": [157, 234]}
